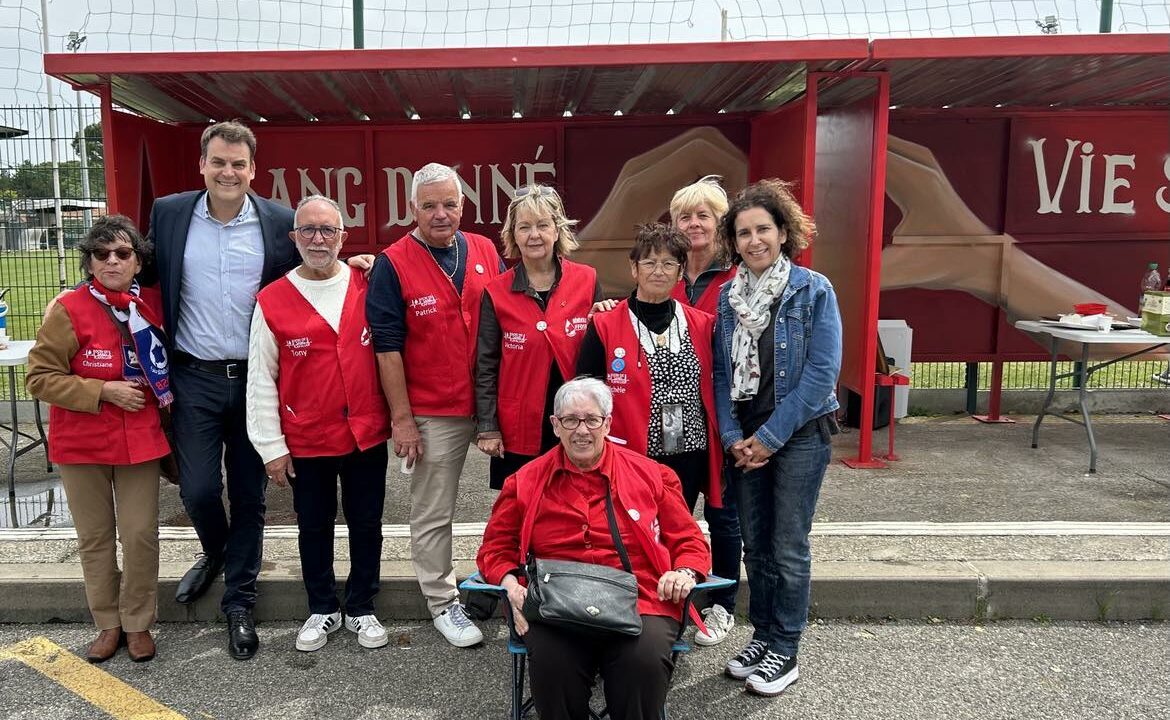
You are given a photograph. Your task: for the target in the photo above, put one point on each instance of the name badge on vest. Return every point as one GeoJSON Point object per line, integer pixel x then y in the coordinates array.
{"type": "Point", "coordinates": [672, 427]}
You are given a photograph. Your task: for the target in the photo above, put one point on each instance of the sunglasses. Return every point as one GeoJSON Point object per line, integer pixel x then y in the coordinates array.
{"type": "Point", "coordinates": [103, 254]}
{"type": "Point", "coordinates": [538, 190]}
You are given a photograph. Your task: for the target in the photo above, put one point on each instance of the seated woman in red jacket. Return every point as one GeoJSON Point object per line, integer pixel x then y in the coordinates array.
{"type": "Point", "coordinates": [99, 362]}
{"type": "Point", "coordinates": [555, 507]}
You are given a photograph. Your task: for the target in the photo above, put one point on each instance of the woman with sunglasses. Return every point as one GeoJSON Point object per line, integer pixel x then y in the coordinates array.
{"type": "Point", "coordinates": [100, 364]}
{"type": "Point", "coordinates": [532, 321]}
{"type": "Point", "coordinates": [655, 355]}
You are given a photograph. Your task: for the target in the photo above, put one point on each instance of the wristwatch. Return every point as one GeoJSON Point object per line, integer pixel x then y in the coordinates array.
{"type": "Point", "coordinates": [694, 576]}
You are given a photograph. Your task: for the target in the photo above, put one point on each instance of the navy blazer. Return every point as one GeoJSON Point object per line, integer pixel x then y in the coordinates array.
{"type": "Point", "coordinates": [170, 219]}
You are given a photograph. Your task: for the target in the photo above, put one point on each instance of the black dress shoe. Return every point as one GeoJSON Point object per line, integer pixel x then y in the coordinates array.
{"type": "Point", "coordinates": [196, 580]}
{"type": "Point", "coordinates": [242, 639]}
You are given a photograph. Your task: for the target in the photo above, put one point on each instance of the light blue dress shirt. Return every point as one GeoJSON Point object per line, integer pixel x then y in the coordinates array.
{"type": "Point", "coordinates": [222, 266]}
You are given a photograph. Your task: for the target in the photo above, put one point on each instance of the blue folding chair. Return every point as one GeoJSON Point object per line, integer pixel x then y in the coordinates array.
{"type": "Point", "coordinates": [521, 705]}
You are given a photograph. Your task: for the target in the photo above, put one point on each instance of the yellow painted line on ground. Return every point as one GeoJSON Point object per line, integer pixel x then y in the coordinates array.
{"type": "Point", "coordinates": [95, 686]}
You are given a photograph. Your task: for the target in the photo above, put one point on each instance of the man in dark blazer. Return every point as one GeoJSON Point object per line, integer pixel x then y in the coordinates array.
{"type": "Point", "coordinates": [214, 249]}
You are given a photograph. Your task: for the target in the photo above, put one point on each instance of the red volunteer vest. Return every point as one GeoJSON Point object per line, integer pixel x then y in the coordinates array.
{"type": "Point", "coordinates": [112, 436]}
{"type": "Point", "coordinates": [708, 302]}
{"type": "Point", "coordinates": [628, 377]}
{"type": "Point", "coordinates": [441, 324]}
{"type": "Point", "coordinates": [330, 397]}
{"type": "Point", "coordinates": [527, 339]}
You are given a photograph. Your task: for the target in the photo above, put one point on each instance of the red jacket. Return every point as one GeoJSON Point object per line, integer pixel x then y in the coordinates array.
{"type": "Point", "coordinates": [331, 400]}
{"type": "Point", "coordinates": [708, 302]}
{"type": "Point", "coordinates": [648, 504]}
{"type": "Point", "coordinates": [628, 377]}
{"type": "Point", "coordinates": [529, 341]}
{"type": "Point", "coordinates": [112, 436]}
{"type": "Point", "coordinates": [441, 324]}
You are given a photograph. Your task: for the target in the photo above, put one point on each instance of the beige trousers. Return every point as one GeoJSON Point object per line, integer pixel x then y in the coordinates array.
{"type": "Point", "coordinates": [105, 499]}
{"type": "Point", "coordinates": [434, 488]}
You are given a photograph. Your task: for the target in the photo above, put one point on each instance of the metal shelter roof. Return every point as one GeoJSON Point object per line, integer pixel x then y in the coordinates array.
{"type": "Point", "coordinates": [1034, 72]}
{"type": "Point", "coordinates": [485, 83]}
{"type": "Point", "coordinates": [649, 80]}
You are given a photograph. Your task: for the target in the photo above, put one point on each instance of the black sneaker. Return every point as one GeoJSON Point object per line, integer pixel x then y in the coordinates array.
{"type": "Point", "coordinates": [774, 673]}
{"type": "Point", "coordinates": [743, 665]}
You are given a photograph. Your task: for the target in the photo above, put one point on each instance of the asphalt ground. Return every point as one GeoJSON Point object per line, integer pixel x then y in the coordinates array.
{"type": "Point", "coordinates": [912, 670]}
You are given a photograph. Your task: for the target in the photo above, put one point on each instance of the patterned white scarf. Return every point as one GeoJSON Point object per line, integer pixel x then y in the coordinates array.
{"type": "Point", "coordinates": [751, 298]}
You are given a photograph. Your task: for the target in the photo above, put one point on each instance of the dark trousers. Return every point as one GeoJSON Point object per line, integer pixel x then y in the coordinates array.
{"type": "Point", "coordinates": [363, 490]}
{"type": "Point", "coordinates": [776, 506]}
{"type": "Point", "coordinates": [210, 436]}
{"type": "Point", "coordinates": [722, 523]}
{"type": "Point", "coordinates": [636, 670]}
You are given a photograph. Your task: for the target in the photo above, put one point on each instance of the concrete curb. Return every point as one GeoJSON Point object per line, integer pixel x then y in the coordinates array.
{"type": "Point", "coordinates": [955, 590]}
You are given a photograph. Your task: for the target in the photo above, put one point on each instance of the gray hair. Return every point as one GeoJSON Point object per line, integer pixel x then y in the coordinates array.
{"type": "Point", "coordinates": [433, 173]}
{"type": "Point", "coordinates": [584, 387]}
{"type": "Point", "coordinates": [321, 198]}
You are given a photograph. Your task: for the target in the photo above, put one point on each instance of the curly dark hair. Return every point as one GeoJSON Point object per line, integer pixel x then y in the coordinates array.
{"type": "Point", "coordinates": [653, 237]}
{"type": "Point", "coordinates": [776, 197]}
{"type": "Point", "coordinates": [107, 230]}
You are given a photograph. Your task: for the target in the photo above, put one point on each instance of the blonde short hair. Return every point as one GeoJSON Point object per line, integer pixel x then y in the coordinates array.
{"type": "Point", "coordinates": [704, 191]}
{"type": "Point", "coordinates": [540, 200]}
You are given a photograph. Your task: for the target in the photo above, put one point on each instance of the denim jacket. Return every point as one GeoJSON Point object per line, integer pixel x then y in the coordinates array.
{"type": "Point", "coordinates": [808, 359]}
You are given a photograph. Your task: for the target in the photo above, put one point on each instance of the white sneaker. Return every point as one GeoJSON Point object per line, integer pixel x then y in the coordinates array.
{"type": "Point", "coordinates": [315, 632]}
{"type": "Point", "coordinates": [719, 622]}
{"type": "Point", "coordinates": [457, 627]}
{"type": "Point", "coordinates": [370, 632]}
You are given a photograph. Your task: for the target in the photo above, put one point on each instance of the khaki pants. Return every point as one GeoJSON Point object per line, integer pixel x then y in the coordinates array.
{"type": "Point", "coordinates": [434, 487]}
{"type": "Point", "coordinates": [102, 499]}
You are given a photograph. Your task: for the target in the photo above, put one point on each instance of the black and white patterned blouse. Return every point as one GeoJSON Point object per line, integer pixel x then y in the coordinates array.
{"type": "Point", "coordinates": [674, 379]}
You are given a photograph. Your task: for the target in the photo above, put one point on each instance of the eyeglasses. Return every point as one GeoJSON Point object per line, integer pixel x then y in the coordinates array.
{"type": "Point", "coordinates": [328, 232]}
{"type": "Point", "coordinates": [103, 254]}
{"type": "Point", "coordinates": [538, 190]}
{"type": "Point", "coordinates": [572, 422]}
{"type": "Point", "coordinates": [669, 266]}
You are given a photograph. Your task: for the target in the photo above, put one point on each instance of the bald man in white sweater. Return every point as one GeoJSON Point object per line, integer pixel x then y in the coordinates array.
{"type": "Point", "coordinates": [316, 414]}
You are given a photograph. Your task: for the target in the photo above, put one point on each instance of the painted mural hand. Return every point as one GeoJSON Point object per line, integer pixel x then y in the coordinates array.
{"type": "Point", "coordinates": [642, 192]}
{"type": "Point", "coordinates": [941, 245]}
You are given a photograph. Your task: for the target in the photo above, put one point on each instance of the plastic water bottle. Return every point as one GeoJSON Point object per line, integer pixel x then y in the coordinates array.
{"type": "Point", "coordinates": [1151, 281]}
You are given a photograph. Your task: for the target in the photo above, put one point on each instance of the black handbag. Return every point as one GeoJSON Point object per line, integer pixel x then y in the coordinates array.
{"type": "Point", "coordinates": [585, 595]}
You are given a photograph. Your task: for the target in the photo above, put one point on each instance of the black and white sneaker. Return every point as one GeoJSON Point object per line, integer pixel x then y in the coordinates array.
{"type": "Point", "coordinates": [745, 663]}
{"type": "Point", "coordinates": [774, 673]}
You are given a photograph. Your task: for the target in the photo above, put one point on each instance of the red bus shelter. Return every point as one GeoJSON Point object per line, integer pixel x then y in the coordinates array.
{"type": "Point", "coordinates": [618, 128]}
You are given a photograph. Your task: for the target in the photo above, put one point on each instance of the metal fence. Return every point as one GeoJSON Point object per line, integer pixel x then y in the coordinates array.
{"type": "Point", "coordinates": [1131, 375]}
{"type": "Point", "coordinates": [43, 214]}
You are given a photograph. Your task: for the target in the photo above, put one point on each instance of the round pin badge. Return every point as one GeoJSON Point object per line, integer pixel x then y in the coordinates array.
{"type": "Point", "coordinates": [635, 515]}
{"type": "Point", "coordinates": [479, 268]}
{"type": "Point", "coordinates": [541, 325]}
{"type": "Point", "coordinates": [618, 365]}
{"type": "Point", "coordinates": [619, 352]}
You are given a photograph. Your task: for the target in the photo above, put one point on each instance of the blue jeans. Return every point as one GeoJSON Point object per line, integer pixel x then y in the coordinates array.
{"type": "Point", "coordinates": [726, 545]}
{"type": "Point", "coordinates": [208, 416]}
{"type": "Point", "coordinates": [776, 506]}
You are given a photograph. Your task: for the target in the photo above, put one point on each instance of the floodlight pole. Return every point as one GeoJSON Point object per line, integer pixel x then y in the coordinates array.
{"type": "Point", "coordinates": [53, 150]}
{"type": "Point", "coordinates": [1106, 16]}
{"type": "Point", "coordinates": [359, 24]}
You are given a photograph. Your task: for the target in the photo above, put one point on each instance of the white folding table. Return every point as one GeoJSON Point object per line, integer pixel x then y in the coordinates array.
{"type": "Point", "coordinates": [1142, 341]}
{"type": "Point", "coordinates": [12, 357]}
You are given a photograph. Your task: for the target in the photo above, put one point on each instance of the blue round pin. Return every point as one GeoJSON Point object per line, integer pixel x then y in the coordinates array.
{"type": "Point", "coordinates": [618, 365]}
